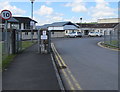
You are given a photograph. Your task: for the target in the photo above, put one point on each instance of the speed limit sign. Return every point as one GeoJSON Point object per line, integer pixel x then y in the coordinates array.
{"type": "Point", "coordinates": [6, 14]}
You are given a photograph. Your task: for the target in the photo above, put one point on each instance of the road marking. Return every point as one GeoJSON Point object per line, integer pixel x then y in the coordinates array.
{"type": "Point", "coordinates": [66, 76]}
{"type": "Point", "coordinates": [59, 56]}
{"type": "Point", "coordinates": [68, 71]}
{"type": "Point", "coordinates": [58, 76]}
{"type": "Point", "coordinates": [99, 44]}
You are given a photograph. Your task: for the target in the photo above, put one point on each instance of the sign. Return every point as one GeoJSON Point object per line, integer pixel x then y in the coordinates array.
{"type": "Point", "coordinates": [44, 37]}
{"type": "Point", "coordinates": [44, 32]}
{"type": "Point", "coordinates": [6, 14]}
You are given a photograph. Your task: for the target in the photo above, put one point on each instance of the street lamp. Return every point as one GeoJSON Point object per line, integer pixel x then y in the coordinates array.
{"type": "Point", "coordinates": [81, 23]}
{"type": "Point", "coordinates": [32, 1]}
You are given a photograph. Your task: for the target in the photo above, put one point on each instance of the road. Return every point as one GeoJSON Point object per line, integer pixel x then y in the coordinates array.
{"type": "Point", "coordinates": [93, 67]}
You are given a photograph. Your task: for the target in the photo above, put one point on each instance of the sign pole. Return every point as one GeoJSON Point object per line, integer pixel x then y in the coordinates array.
{"type": "Point", "coordinates": [6, 35]}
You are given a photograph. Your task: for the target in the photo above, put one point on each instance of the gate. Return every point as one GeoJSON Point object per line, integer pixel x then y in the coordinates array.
{"type": "Point", "coordinates": [44, 41]}
{"type": "Point", "coordinates": [11, 42]}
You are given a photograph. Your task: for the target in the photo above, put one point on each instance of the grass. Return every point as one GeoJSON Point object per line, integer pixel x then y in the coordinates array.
{"type": "Point", "coordinates": [7, 60]}
{"type": "Point", "coordinates": [26, 44]}
{"type": "Point", "coordinates": [113, 44]}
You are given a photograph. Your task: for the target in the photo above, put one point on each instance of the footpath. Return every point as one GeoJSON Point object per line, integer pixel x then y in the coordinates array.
{"type": "Point", "coordinates": [30, 71]}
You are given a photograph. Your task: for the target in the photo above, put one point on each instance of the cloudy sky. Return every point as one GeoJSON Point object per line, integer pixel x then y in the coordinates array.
{"type": "Point", "coordinates": [52, 11]}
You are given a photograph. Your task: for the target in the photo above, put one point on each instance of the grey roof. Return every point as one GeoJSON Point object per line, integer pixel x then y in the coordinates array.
{"type": "Point", "coordinates": [70, 27]}
{"type": "Point", "coordinates": [58, 24]}
{"type": "Point", "coordinates": [13, 20]}
{"type": "Point", "coordinates": [43, 27]}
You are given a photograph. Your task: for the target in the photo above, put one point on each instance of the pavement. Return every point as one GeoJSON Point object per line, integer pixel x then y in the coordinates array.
{"type": "Point", "coordinates": [30, 71]}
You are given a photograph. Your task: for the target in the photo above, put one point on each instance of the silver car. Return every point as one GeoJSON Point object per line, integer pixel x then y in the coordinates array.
{"type": "Point", "coordinates": [75, 34]}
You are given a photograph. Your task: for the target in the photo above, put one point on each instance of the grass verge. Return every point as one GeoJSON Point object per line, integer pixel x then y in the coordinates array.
{"type": "Point", "coordinates": [113, 46]}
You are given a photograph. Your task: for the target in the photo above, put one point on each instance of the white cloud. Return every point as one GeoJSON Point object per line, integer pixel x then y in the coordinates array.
{"type": "Point", "coordinates": [102, 10]}
{"type": "Point", "coordinates": [77, 6]}
{"type": "Point", "coordinates": [15, 11]}
{"type": "Point", "coordinates": [48, 15]}
{"type": "Point", "coordinates": [44, 10]}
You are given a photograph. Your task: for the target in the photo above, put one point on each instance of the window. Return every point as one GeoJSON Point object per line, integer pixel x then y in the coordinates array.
{"type": "Point", "coordinates": [32, 33]}
{"type": "Point", "coordinates": [52, 32]}
{"type": "Point", "coordinates": [26, 33]}
{"type": "Point", "coordinates": [66, 31]}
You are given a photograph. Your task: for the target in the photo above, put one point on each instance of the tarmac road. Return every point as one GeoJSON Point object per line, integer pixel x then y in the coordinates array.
{"type": "Point", "coordinates": [94, 67]}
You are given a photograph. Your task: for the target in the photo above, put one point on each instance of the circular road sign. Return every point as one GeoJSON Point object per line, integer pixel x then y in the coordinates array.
{"type": "Point", "coordinates": [6, 14]}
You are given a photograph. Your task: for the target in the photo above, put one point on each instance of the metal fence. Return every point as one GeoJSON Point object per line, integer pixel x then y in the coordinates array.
{"type": "Point", "coordinates": [11, 42]}
{"type": "Point", "coordinates": [111, 38]}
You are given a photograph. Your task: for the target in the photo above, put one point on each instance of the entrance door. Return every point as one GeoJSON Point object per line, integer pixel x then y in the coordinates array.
{"type": "Point", "coordinates": [86, 32]}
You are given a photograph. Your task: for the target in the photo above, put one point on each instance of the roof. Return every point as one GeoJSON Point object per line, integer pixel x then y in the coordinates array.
{"type": "Point", "coordinates": [24, 19]}
{"type": "Point", "coordinates": [58, 24]}
{"type": "Point", "coordinates": [43, 26]}
{"type": "Point", "coordinates": [70, 27]}
{"type": "Point", "coordinates": [11, 20]}
{"type": "Point", "coordinates": [98, 25]}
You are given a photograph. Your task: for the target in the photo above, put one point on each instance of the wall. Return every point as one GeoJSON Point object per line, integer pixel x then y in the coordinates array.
{"type": "Point", "coordinates": [57, 34]}
{"type": "Point", "coordinates": [112, 20]}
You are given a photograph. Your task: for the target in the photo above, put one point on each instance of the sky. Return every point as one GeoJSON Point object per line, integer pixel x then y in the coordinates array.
{"type": "Point", "coordinates": [49, 11]}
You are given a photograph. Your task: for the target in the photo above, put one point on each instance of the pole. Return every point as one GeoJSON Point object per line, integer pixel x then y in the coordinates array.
{"type": "Point", "coordinates": [32, 22]}
{"type": "Point", "coordinates": [39, 51]}
{"type": "Point", "coordinates": [6, 36]}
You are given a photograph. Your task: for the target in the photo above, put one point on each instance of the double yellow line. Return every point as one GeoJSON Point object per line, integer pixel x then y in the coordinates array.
{"type": "Point", "coordinates": [73, 84]}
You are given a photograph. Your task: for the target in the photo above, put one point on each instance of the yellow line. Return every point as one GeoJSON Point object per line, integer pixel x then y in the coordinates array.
{"type": "Point", "coordinates": [66, 76]}
{"type": "Point", "coordinates": [68, 80]}
{"type": "Point", "coordinates": [69, 72]}
{"type": "Point", "coordinates": [59, 56]}
{"type": "Point", "coordinates": [73, 78]}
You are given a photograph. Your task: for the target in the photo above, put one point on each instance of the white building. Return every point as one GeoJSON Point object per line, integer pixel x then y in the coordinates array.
{"type": "Point", "coordinates": [98, 27]}
{"type": "Point", "coordinates": [109, 20]}
{"type": "Point", "coordinates": [59, 29]}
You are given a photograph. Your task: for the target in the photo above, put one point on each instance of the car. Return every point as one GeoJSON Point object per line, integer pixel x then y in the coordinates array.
{"type": "Point", "coordinates": [94, 34]}
{"type": "Point", "coordinates": [75, 34]}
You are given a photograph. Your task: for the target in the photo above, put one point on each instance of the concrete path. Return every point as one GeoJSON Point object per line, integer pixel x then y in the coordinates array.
{"type": "Point", "coordinates": [30, 71]}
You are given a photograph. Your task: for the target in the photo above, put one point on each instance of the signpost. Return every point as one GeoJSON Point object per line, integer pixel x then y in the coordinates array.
{"type": "Point", "coordinates": [6, 15]}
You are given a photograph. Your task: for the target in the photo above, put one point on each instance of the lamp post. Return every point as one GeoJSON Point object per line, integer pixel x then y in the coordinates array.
{"type": "Point", "coordinates": [81, 23]}
{"type": "Point", "coordinates": [32, 1]}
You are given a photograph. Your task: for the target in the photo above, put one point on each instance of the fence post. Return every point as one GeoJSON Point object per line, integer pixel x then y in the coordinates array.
{"type": "Point", "coordinates": [49, 41]}
{"type": "Point", "coordinates": [39, 40]}
{"type": "Point", "coordinates": [110, 37]}
{"type": "Point", "coordinates": [13, 37]}
{"type": "Point", "coordinates": [104, 37]}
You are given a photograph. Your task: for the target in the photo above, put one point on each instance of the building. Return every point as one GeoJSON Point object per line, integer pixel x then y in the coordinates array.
{"type": "Point", "coordinates": [59, 29]}
{"type": "Point", "coordinates": [109, 20]}
{"type": "Point", "coordinates": [25, 24]}
{"type": "Point", "coordinates": [97, 27]}
{"type": "Point", "coordinates": [11, 23]}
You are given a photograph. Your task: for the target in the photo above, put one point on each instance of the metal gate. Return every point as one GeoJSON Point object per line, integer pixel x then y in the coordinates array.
{"type": "Point", "coordinates": [11, 42]}
{"type": "Point", "coordinates": [44, 41]}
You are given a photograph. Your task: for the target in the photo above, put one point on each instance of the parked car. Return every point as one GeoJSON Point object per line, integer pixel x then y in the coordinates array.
{"type": "Point", "coordinates": [94, 34]}
{"type": "Point", "coordinates": [75, 34]}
